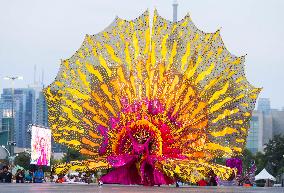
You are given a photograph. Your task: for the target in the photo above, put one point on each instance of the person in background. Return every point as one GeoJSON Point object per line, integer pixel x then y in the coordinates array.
{"type": "Point", "coordinates": [247, 183]}
{"type": "Point", "coordinates": [60, 179]}
{"type": "Point", "coordinates": [29, 177]}
{"type": "Point", "coordinates": [55, 178]}
{"type": "Point", "coordinates": [77, 179]}
{"type": "Point", "coordinates": [202, 182]}
{"type": "Point", "coordinates": [66, 178]}
{"type": "Point", "coordinates": [38, 176]}
{"type": "Point", "coordinates": [20, 176]}
{"type": "Point", "coordinates": [1, 172]}
{"type": "Point", "coordinates": [51, 177]}
{"type": "Point", "coordinates": [212, 179]}
{"type": "Point", "coordinates": [23, 174]}
{"type": "Point", "coordinates": [6, 175]}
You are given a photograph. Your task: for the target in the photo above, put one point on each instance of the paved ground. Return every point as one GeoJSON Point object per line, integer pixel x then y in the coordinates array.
{"type": "Point", "coordinates": [74, 188]}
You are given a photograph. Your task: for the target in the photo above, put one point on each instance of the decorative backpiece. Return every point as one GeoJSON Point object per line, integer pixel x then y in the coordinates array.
{"type": "Point", "coordinates": [173, 85]}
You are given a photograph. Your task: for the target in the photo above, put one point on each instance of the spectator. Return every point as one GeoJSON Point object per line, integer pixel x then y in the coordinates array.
{"type": "Point", "coordinates": [55, 178]}
{"type": "Point", "coordinates": [60, 179]}
{"type": "Point", "coordinates": [51, 177]}
{"type": "Point", "coordinates": [20, 176]}
{"type": "Point", "coordinates": [212, 179]}
{"type": "Point", "coordinates": [29, 177]}
{"type": "Point", "coordinates": [6, 175]}
{"type": "Point", "coordinates": [202, 182]}
{"type": "Point", "coordinates": [77, 179]}
{"type": "Point", "coordinates": [38, 176]}
{"type": "Point", "coordinates": [66, 178]}
{"type": "Point", "coordinates": [1, 172]}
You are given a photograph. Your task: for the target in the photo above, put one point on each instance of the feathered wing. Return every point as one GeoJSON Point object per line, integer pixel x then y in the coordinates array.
{"type": "Point", "coordinates": [193, 171]}
{"type": "Point", "coordinates": [81, 166]}
{"type": "Point", "coordinates": [88, 88]}
{"type": "Point", "coordinates": [210, 95]}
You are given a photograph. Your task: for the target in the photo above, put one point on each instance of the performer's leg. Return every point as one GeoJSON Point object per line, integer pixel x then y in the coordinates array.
{"type": "Point", "coordinates": [142, 171]}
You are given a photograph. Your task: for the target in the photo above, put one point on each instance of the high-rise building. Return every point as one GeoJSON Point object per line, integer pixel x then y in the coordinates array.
{"type": "Point", "coordinates": [265, 123]}
{"type": "Point", "coordinates": [277, 117]}
{"type": "Point", "coordinates": [175, 5]}
{"type": "Point", "coordinates": [41, 110]}
{"type": "Point", "coordinates": [264, 105]}
{"type": "Point", "coordinates": [30, 108]}
{"type": "Point", "coordinates": [260, 131]}
{"type": "Point", "coordinates": [6, 123]}
{"type": "Point", "coordinates": [254, 135]}
{"type": "Point", "coordinates": [24, 113]}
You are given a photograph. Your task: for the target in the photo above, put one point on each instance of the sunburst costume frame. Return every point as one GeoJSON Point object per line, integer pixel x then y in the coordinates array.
{"type": "Point", "coordinates": [155, 104]}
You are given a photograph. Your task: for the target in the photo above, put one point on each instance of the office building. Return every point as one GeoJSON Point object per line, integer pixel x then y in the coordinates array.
{"type": "Point", "coordinates": [24, 113]}
{"type": "Point", "coordinates": [41, 110]}
{"type": "Point", "coordinates": [265, 123]}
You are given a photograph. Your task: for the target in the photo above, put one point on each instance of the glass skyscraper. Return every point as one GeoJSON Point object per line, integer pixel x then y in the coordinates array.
{"type": "Point", "coordinates": [41, 110]}
{"type": "Point", "coordinates": [24, 113]}
{"type": "Point", "coordinates": [253, 135]}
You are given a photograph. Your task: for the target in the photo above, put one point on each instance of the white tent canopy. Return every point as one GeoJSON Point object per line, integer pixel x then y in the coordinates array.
{"type": "Point", "coordinates": [264, 175]}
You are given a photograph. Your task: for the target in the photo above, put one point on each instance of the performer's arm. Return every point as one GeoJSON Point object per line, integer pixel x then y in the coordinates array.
{"type": "Point", "coordinates": [146, 144]}
{"type": "Point", "coordinates": [148, 140]}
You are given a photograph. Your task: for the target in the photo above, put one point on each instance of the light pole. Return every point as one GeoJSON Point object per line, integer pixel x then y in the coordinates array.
{"type": "Point", "coordinates": [10, 158]}
{"type": "Point", "coordinates": [11, 141]}
{"type": "Point", "coordinates": [3, 146]}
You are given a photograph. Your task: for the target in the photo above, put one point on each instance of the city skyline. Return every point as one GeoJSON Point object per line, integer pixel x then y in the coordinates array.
{"type": "Point", "coordinates": [264, 124]}
{"type": "Point", "coordinates": [44, 33]}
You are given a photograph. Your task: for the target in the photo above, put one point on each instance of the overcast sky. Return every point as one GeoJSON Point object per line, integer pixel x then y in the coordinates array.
{"type": "Point", "coordinates": [35, 32]}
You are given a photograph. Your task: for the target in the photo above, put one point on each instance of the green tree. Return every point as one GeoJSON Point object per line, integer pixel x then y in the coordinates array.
{"type": "Point", "coordinates": [72, 155]}
{"type": "Point", "coordinates": [274, 152]}
{"type": "Point", "coordinates": [260, 161]}
{"type": "Point", "coordinates": [247, 158]}
{"type": "Point", "coordinates": [23, 160]}
{"type": "Point", "coordinates": [54, 161]}
{"type": "Point", "coordinates": [259, 158]}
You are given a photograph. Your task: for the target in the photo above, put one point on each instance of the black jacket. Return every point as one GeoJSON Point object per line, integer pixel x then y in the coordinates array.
{"type": "Point", "coordinates": [6, 177]}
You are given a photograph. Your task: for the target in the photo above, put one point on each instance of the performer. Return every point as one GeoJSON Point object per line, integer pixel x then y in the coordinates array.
{"type": "Point", "coordinates": [142, 150]}
{"type": "Point", "coordinates": [137, 167]}
{"type": "Point", "coordinates": [154, 107]}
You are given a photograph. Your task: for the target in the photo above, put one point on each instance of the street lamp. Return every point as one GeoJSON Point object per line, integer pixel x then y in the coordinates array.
{"type": "Point", "coordinates": [11, 158]}
{"type": "Point", "coordinates": [3, 146]}
{"type": "Point", "coordinates": [11, 141]}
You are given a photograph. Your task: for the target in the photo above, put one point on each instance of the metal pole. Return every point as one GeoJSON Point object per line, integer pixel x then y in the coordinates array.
{"type": "Point", "coordinates": [13, 123]}
{"type": "Point", "coordinates": [9, 131]}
